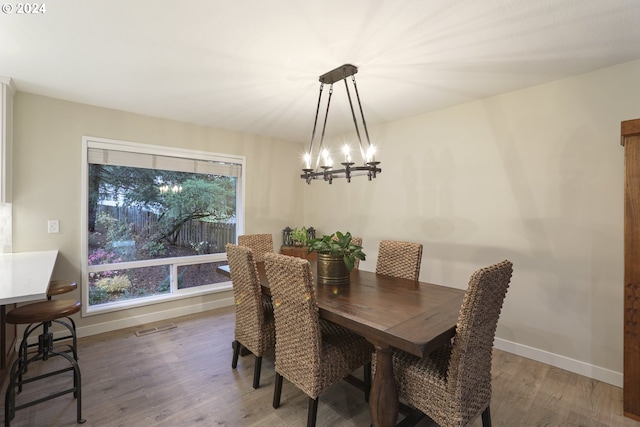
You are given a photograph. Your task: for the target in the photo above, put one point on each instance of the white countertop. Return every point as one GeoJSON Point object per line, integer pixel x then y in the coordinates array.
{"type": "Point", "coordinates": [25, 276]}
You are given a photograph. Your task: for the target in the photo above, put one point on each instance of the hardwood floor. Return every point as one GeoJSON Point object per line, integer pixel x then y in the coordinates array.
{"type": "Point", "coordinates": [183, 377]}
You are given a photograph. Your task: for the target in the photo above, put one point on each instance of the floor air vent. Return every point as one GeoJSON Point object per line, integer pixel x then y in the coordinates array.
{"type": "Point", "coordinates": [155, 329]}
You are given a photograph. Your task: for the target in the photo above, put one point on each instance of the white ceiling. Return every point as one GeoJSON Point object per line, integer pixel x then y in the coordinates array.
{"type": "Point", "coordinates": [253, 65]}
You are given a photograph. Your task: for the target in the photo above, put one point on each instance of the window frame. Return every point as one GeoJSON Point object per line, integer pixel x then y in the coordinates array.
{"type": "Point", "coordinates": [175, 262]}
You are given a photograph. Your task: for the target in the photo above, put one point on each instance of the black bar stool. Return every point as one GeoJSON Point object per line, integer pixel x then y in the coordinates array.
{"type": "Point", "coordinates": [43, 314]}
{"type": "Point", "coordinates": [59, 287]}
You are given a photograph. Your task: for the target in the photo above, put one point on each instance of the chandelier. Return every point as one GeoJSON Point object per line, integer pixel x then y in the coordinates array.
{"type": "Point", "coordinates": [319, 163]}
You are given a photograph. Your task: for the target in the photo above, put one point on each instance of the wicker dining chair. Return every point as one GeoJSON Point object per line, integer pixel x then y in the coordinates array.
{"type": "Point", "coordinates": [399, 259]}
{"type": "Point", "coordinates": [452, 385]}
{"type": "Point", "coordinates": [255, 326]}
{"type": "Point", "coordinates": [356, 241]}
{"type": "Point", "coordinates": [312, 353]}
{"type": "Point", "coordinates": [260, 243]}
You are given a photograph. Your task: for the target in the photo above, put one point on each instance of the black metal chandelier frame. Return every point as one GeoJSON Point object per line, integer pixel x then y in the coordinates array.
{"type": "Point", "coordinates": [326, 172]}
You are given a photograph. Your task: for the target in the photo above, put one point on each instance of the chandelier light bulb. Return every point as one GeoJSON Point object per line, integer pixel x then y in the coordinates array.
{"type": "Point", "coordinates": [327, 158]}
{"type": "Point", "coordinates": [347, 153]}
{"type": "Point", "coordinates": [371, 154]}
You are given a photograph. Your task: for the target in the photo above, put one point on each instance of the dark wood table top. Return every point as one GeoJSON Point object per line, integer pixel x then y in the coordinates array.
{"type": "Point", "coordinates": [413, 316]}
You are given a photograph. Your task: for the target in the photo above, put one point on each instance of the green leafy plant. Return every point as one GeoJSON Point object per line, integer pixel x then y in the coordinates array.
{"type": "Point", "coordinates": [153, 248]}
{"type": "Point", "coordinates": [98, 295]}
{"type": "Point", "coordinates": [338, 244]}
{"type": "Point", "coordinates": [299, 236]}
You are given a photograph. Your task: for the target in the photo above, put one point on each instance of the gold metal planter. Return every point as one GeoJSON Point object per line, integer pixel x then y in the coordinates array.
{"type": "Point", "coordinates": [332, 270]}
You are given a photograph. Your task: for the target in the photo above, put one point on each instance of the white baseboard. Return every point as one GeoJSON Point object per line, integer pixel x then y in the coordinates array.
{"type": "Point", "coordinates": [85, 331]}
{"type": "Point", "coordinates": [576, 366]}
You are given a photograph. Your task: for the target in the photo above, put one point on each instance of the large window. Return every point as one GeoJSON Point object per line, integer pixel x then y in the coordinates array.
{"type": "Point", "coordinates": [156, 221]}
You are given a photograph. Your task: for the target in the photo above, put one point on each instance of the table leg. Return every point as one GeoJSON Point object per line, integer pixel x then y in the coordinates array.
{"type": "Point", "coordinates": [383, 400]}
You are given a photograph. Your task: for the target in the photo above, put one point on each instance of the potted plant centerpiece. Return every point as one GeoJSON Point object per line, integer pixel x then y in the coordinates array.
{"type": "Point", "coordinates": [299, 236]}
{"type": "Point", "coordinates": [336, 257]}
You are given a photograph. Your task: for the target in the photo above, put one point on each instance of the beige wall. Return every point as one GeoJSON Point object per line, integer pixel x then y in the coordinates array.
{"type": "Point", "coordinates": [533, 176]}
{"type": "Point", "coordinates": [47, 172]}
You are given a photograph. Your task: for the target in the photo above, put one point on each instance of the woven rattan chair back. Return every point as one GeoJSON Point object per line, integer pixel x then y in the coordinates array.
{"type": "Point", "coordinates": [259, 243]}
{"type": "Point", "coordinates": [452, 385]}
{"type": "Point", "coordinates": [399, 259]}
{"type": "Point", "coordinates": [255, 327]}
{"type": "Point", "coordinates": [298, 333]}
{"type": "Point", "coordinates": [356, 241]}
{"type": "Point", "coordinates": [469, 373]}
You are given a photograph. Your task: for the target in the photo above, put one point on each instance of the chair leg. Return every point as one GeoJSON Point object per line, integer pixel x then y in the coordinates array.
{"type": "Point", "coordinates": [10, 397]}
{"type": "Point", "coordinates": [486, 418]}
{"type": "Point", "coordinates": [312, 412]}
{"type": "Point", "coordinates": [413, 417]}
{"type": "Point", "coordinates": [256, 372]}
{"type": "Point", "coordinates": [73, 347]}
{"type": "Point", "coordinates": [22, 353]}
{"type": "Point", "coordinates": [77, 385]}
{"type": "Point", "coordinates": [236, 353]}
{"type": "Point", "coordinates": [277, 390]}
{"type": "Point", "coordinates": [367, 381]}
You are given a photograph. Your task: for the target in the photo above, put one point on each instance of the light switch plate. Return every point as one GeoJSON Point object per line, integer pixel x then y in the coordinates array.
{"type": "Point", "coordinates": [53, 226]}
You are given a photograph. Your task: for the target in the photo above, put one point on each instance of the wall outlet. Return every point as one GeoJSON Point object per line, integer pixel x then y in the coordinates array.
{"type": "Point", "coordinates": [53, 226]}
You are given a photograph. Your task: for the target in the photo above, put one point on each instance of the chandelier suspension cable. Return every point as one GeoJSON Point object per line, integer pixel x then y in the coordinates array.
{"type": "Point", "coordinates": [324, 127]}
{"type": "Point", "coordinates": [353, 115]}
{"type": "Point", "coordinates": [364, 122]}
{"type": "Point", "coordinates": [315, 122]}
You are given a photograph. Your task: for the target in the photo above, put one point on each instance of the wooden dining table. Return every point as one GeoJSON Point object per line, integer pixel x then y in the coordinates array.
{"type": "Point", "coordinates": [391, 313]}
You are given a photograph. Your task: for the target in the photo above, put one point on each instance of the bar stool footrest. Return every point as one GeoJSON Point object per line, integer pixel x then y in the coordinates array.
{"type": "Point", "coordinates": [44, 399]}
{"type": "Point", "coordinates": [46, 375]}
